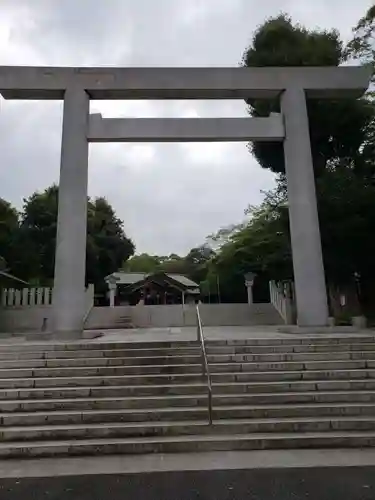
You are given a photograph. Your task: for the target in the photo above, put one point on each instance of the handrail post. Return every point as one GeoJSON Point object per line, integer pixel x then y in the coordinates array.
{"type": "Point", "coordinates": [205, 367]}
{"type": "Point", "coordinates": [210, 407]}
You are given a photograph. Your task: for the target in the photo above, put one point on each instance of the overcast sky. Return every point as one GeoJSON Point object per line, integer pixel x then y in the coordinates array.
{"type": "Point", "coordinates": [170, 196]}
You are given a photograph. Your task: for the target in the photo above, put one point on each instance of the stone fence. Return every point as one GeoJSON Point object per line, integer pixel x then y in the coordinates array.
{"type": "Point", "coordinates": [280, 297]}
{"type": "Point", "coordinates": [30, 309]}
{"type": "Point", "coordinates": [26, 297]}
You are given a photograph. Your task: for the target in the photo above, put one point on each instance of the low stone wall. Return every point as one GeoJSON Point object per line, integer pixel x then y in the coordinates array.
{"type": "Point", "coordinates": [239, 314]}
{"type": "Point", "coordinates": [26, 319]}
{"type": "Point", "coordinates": [23, 319]}
{"type": "Point", "coordinates": [31, 317]}
{"type": "Point", "coordinates": [177, 315]}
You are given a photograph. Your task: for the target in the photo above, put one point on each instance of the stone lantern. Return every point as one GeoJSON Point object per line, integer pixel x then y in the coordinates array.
{"type": "Point", "coordinates": [112, 287]}
{"type": "Point", "coordinates": [249, 282]}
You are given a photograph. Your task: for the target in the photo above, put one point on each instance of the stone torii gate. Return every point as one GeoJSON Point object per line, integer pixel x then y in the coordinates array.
{"type": "Point", "coordinates": [76, 86]}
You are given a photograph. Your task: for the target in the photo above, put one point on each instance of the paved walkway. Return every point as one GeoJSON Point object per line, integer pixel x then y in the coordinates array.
{"type": "Point", "coordinates": [230, 460]}
{"type": "Point", "coordinates": [338, 483]}
{"type": "Point", "coordinates": [187, 333]}
{"type": "Point", "coordinates": [210, 333]}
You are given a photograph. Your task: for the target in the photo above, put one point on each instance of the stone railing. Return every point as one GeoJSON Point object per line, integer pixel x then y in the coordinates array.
{"type": "Point", "coordinates": [26, 297]}
{"type": "Point", "coordinates": [30, 309]}
{"type": "Point", "coordinates": [38, 296]}
{"type": "Point", "coordinates": [280, 299]}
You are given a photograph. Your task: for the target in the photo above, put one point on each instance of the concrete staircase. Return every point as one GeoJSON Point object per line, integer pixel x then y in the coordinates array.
{"type": "Point", "coordinates": [124, 322]}
{"type": "Point", "coordinates": [107, 397]}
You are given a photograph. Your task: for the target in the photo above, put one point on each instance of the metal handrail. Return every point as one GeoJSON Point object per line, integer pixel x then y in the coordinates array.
{"type": "Point", "coordinates": [205, 367]}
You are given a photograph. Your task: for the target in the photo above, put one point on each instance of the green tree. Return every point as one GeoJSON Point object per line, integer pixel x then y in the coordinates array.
{"type": "Point", "coordinates": [361, 47]}
{"type": "Point", "coordinates": [337, 127]}
{"type": "Point", "coordinates": [173, 264]}
{"type": "Point", "coordinates": [260, 245]}
{"type": "Point", "coordinates": [198, 261]}
{"type": "Point", "coordinates": [343, 146]}
{"type": "Point", "coordinates": [38, 235]}
{"type": "Point", "coordinates": [192, 265]}
{"type": "Point", "coordinates": [347, 211]}
{"type": "Point", "coordinates": [143, 263]}
{"type": "Point", "coordinates": [107, 245]}
{"type": "Point", "coordinates": [9, 225]}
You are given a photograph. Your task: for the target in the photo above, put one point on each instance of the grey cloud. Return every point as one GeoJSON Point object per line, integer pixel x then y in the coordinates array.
{"type": "Point", "coordinates": [173, 204]}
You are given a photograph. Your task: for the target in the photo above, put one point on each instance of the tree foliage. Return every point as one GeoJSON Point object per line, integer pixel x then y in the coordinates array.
{"type": "Point", "coordinates": [108, 246]}
{"type": "Point", "coordinates": [361, 46]}
{"type": "Point", "coordinates": [343, 146]}
{"type": "Point", "coordinates": [194, 264]}
{"type": "Point", "coordinates": [8, 226]}
{"type": "Point", "coordinates": [337, 127]}
{"type": "Point", "coordinates": [31, 236]}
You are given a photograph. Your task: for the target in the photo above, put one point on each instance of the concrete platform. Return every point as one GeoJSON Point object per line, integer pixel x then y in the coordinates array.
{"type": "Point", "coordinates": [188, 333]}
{"type": "Point", "coordinates": [209, 461]}
{"type": "Point", "coordinates": [337, 483]}
{"type": "Point", "coordinates": [217, 333]}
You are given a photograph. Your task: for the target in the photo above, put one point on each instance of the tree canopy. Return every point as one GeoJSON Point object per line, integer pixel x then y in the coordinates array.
{"type": "Point", "coordinates": [342, 141]}
{"type": "Point", "coordinates": [194, 264]}
{"type": "Point", "coordinates": [9, 220]}
{"type": "Point", "coordinates": [28, 239]}
{"type": "Point", "coordinates": [337, 127]}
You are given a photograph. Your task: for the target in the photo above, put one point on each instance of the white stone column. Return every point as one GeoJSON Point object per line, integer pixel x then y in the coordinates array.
{"type": "Point", "coordinates": [112, 294]}
{"type": "Point", "coordinates": [249, 287]}
{"type": "Point", "coordinates": [311, 296]}
{"type": "Point", "coordinates": [70, 260]}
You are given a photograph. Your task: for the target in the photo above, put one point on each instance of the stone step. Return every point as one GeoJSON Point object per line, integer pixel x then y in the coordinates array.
{"type": "Point", "coordinates": [100, 345]}
{"type": "Point", "coordinates": [99, 362]}
{"type": "Point", "coordinates": [71, 351]}
{"type": "Point", "coordinates": [82, 381]}
{"type": "Point", "coordinates": [297, 339]}
{"type": "Point", "coordinates": [186, 378]}
{"type": "Point", "coordinates": [97, 403]}
{"type": "Point", "coordinates": [284, 398]}
{"type": "Point", "coordinates": [294, 386]}
{"type": "Point", "coordinates": [194, 427]}
{"type": "Point", "coordinates": [184, 444]}
{"type": "Point", "coordinates": [90, 352]}
{"type": "Point", "coordinates": [312, 410]}
{"type": "Point", "coordinates": [100, 391]}
{"type": "Point", "coordinates": [289, 348]}
{"type": "Point", "coordinates": [101, 353]}
{"type": "Point", "coordinates": [90, 371]}
{"type": "Point", "coordinates": [146, 415]}
{"type": "Point", "coordinates": [284, 376]}
{"type": "Point", "coordinates": [55, 416]}
{"type": "Point", "coordinates": [213, 359]}
{"type": "Point", "coordinates": [339, 398]}
{"type": "Point", "coordinates": [115, 369]}
{"type": "Point", "coordinates": [303, 357]}
{"type": "Point", "coordinates": [258, 389]}
{"type": "Point", "coordinates": [331, 341]}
